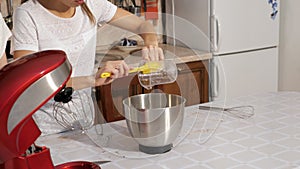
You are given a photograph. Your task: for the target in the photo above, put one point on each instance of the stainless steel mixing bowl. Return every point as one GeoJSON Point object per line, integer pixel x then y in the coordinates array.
{"type": "Point", "coordinates": [154, 120]}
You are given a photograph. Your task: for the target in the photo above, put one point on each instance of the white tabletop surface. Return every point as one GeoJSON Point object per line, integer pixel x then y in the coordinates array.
{"type": "Point", "coordinates": [270, 139]}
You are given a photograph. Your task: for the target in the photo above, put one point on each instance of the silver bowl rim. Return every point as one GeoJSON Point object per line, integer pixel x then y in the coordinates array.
{"type": "Point", "coordinates": [183, 100]}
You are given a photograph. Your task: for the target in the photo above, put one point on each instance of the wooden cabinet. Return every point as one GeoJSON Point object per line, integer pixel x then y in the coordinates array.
{"type": "Point", "coordinates": [192, 83]}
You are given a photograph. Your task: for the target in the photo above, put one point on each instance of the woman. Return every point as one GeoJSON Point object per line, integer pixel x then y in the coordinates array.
{"type": "Point", "coordinates": [70, 25]}
{"type": "Point", "coordinates": [4, 36]}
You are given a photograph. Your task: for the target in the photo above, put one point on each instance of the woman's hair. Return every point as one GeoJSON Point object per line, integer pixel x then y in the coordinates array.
{"type": "Point", "coordinates": [85, 9]}
{"type": "Point", "coordinates": [88, 12]}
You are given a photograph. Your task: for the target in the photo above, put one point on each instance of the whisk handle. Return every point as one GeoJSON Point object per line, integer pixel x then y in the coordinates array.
{"type": "Point", "coordinates": [211, 108]}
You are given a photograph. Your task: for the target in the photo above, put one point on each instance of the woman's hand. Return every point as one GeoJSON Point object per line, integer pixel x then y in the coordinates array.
{"type": "Point", "coordinates": [152, 53]}
{"type": "Point", "coordinates": [117, 69]}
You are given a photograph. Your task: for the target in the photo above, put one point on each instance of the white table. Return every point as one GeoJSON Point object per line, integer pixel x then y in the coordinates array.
{"type": "Point", "coordinates": [268, 140]}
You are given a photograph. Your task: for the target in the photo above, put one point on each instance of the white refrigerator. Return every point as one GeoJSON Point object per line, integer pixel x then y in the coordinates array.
{"type": "Point", "coordinates": [242, 35]}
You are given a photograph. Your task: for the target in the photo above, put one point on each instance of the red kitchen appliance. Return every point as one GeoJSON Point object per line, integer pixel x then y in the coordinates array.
{"type": "Point", "coordinates": [25, 85]}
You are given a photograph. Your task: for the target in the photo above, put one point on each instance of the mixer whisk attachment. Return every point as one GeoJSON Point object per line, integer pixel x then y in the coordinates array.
{"type": "Point", "coordinates": [73, 109]}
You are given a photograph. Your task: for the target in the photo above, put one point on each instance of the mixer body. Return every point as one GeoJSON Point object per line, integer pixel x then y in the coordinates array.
{"type": "Point", "coordinates": [26, 84]}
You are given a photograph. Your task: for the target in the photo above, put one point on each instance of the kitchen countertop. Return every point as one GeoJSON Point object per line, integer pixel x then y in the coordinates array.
{"type": "Point", "coordinates": [132, 56]}
{"type": "Point", "coordinates": [269, 139]}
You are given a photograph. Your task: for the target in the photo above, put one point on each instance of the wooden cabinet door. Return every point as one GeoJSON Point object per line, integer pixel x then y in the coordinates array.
{"type": "Point", "coordinates": [110, 97]}
{"type": "Point", "coordinates": [191, 83]}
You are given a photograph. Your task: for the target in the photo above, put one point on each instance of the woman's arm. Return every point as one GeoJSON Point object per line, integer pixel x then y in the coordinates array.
{"type": "Point", "coordinates": [24, 39]}
{"type": "Point", "coordinates": [126, 20]}
{"type": "Point", "coordinates": [5, 34]}
{"type": "Point", "coordinates": [3, 60]}
{"type": "Point", "coordinates": [117, 69]}
{"type": "Point", "coordinates": [21, 53]}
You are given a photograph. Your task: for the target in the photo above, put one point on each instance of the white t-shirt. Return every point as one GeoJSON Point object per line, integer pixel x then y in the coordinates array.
{"type": "Point", "coordinates": [36, 29]}
{"type": "Point", "coordinates": [4, 35]}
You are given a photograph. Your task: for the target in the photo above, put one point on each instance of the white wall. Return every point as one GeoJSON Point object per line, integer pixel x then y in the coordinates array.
{"type": "Point", "coordinates": [289, 46]}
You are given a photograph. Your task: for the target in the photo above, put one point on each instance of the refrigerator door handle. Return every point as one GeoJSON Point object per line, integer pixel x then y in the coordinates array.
{"type": "Point", "coordinates": [215, 34]}
{"type": "Point", "coordinates": [218, 35]}
{"type": "Point", "coordinates": [216, 84]}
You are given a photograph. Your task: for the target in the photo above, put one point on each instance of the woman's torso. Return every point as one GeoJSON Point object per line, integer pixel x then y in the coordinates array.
{"type": "Point", "coordinates": [76, 35]}
{"type": "Point", "coordinates": [37, 29]}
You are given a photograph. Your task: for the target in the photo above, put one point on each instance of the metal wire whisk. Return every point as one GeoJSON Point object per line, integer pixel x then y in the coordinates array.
{"type": "Point", "coordinates": [243, 112]}
{"type": "Point", "coordinates": [73, 109]}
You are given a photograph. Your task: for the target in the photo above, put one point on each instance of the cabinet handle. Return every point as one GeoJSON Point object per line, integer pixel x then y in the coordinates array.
{"type": "Point", "coordinates": [180, 69]}
{"type": "Point", "coordinates": [187, 69]}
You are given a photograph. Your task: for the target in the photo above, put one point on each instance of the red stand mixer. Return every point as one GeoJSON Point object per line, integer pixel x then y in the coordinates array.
{"type": "Point", "coordinates": [26, 84]}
